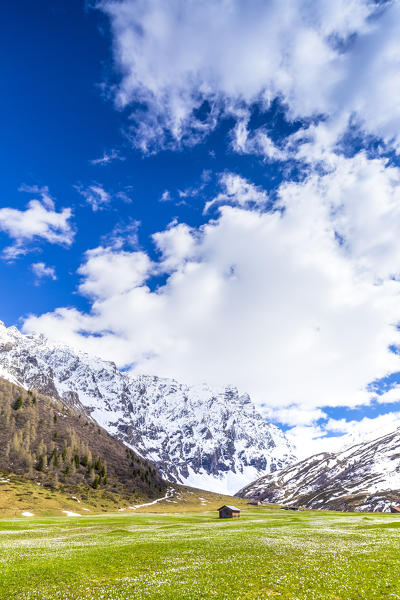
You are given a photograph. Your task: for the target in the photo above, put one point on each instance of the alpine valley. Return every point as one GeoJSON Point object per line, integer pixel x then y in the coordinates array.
{"type": "Point", "coordinates": [213, 439]}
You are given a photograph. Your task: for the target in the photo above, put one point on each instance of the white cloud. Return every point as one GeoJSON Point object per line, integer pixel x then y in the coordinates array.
{"type": "Point", "coordinates": [258, 142]}
{"type": "Point", "coordinates": [175, 245]}
{"type": "Point", "coordinates": [166, 196]}
{"type": "Point", "coordinates": [107, 158]}
{"type": "Point", "coordinates": [108, 272]}
{"type": "Point", "coordinates": [297, 306]}
{"type": "Point", "coordinates": [124, 195]}
{"type": "Point", "coordinates": [295, 416]}
{"type": "Point", "coordinates": [95, 195]}
{"type": "Point", "coordinates": [42, 271]}
{"type": "Point", "coordinates": [38, 221]}
{"type": "Point", "coordinates": [99, 198]}
{"type": "Point", "coordinates": [42, 191]}
{"type": "Point", "coordinates": [363, 199]}
{"type": "Point", "coordinates": [367, 426]}
{"type": "Point", "coordinates": [336, 434]}
{"type": "Point", "coordinates": [391, 396]}
{"type": "Point", "coordinates": [240, 192]}
{"type": "Point", "coordinates": [312, 439]}
{"type": "Point", "coordinates": [318, 58]}
{"type": "Point", "coordinates": [123, 235]}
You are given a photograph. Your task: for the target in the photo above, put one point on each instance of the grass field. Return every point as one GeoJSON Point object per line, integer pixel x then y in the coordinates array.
{"type": "Point", "coordinates": [266, 554]}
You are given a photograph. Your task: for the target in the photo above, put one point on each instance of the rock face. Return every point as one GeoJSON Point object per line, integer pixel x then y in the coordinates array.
{"type": "Point", "coordinates": [365, 477]}
{"type": "Point", "coordinates": [208, 438]}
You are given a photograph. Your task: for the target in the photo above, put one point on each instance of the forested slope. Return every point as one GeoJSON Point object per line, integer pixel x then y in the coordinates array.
{"type": "Point", "coordinates": [62, 448]}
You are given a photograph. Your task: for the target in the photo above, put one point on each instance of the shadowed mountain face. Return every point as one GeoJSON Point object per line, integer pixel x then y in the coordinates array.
{"type": "Point", "coordinates": [365, 477]}
{"type": "Point", "coordinates": [205, 437]}
{"type": "Point", "coordinates": [52, 444]}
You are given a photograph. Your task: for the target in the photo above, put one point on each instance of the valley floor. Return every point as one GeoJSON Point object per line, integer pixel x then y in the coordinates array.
{"type": "Point", "coordinates": [267, 553]}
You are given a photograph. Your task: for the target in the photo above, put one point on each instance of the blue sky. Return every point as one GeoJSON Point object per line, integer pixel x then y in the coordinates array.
{"type": "Point", "coordinates": [211, 191]}
{"type": "Point", "coordinates": [58, 121]}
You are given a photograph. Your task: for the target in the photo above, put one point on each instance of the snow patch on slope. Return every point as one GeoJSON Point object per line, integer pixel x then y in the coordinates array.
{"type": "Point", "coordinates": [363, 477]}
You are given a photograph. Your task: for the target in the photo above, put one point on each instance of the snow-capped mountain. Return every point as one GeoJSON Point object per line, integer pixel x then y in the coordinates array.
{"type": "Point", "coordinates": [364, 477]}
{"type": "Point", "coordinates": [205, 437]}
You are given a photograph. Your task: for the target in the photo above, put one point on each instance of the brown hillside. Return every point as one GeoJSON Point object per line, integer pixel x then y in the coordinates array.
{"type": "Point", "coordinates": [61, 448]}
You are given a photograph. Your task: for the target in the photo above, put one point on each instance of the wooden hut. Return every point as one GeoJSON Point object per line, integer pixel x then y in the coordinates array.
{"type": "Point", "coordinates": [394, 509]}
{"type": "Point", "coordinates": [228, 512]}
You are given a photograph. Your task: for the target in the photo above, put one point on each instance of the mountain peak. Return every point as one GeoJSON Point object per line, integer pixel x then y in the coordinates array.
{"type": "Point", "coordinates": [210, 437]}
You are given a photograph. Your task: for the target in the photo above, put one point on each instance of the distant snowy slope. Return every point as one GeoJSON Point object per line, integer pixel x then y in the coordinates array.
{"type": "Point", "coordinates": [364, 477]}
{"type": "Point", "coordinates": [205, 437]}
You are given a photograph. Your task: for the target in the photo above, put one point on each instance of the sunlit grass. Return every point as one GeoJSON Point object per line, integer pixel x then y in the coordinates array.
{"type": "Point", "coordinates": [265, 554]}
{"type": "Point", "coordinates": [18, 495]}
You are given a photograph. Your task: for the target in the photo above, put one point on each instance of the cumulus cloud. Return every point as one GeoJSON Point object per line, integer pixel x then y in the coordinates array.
{"type": "Point", "coordinates": [175, 244]}
{"type": "Point", "coordinates": [109, 272]}
{"type": "Point", "coordinates": [190, 62]}
{"type": "Point", "coordinates": [297, 305]}
{"type": "Point", "coordinates": [41, 271]}
{"type": "Point", "coordinates": [39, 221]}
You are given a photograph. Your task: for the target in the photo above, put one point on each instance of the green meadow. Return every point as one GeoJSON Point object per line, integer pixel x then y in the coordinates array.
{"type": "Point", "coordinates": [266, 554]}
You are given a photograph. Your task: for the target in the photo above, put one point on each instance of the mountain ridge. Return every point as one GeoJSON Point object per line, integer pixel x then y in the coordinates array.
{"type": "Point", "coordinates": [363, 477]}
{"type": "Point", "coordinates": [206, 437]}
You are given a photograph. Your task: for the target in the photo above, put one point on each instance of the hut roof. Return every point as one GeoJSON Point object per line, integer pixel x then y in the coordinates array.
{"type": "Point", "coordinates": [231, 507]}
